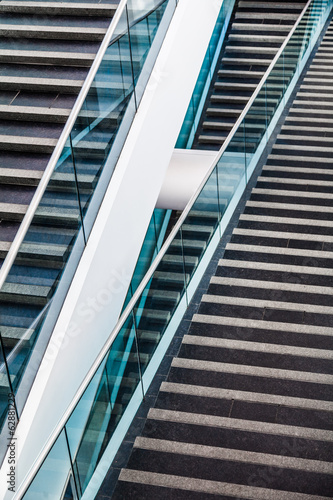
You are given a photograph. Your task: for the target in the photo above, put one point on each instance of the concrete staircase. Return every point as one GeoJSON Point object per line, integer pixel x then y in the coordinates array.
{"type": "Point", "coordinates": [257, 30]}
{"type": "Point", "coordinates": [246, 410]}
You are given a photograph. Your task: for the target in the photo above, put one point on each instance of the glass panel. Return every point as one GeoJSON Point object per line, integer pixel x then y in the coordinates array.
{"type": "Point", "coordinates": [231, 168]}
{"type": "Point", "coordinates": [200, 225]}
{"type": "Point", "coordinates": [51, 480]}
{"type": "Point", "coordinates": [275, 87]}
{"type": "Point", "coordinates": [6, 397]}
{"type": "Point", "coordinates": [143, 18]}
{"type": "Point", "coordinates": [150, 247]}
{"type": "Point", "coordinates": [147, 254]}
{"type": "Point", "coordinates": [98, 122]}
{"type": "Point", "coordinates": [192, 118]}
{"type": "Point", "coordinates": [27, 293]}
{"type": "Point", "coordinates": [186, 127]}
{"type": "Point", "coordinates": [161, 218]}
{"type": "Point", "coordinates": [157, 303]}
{"type": "Point", "coordinates": [98, 413]}
{"type": "Point", "coordinates": [256, 120]}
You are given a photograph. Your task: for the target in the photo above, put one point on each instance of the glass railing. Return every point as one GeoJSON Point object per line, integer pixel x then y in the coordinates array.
{"type": "Point", "coordinates": [63, 210]}
{"type": "Point", "coordinates": [120, 376]}
{"type": "Point", "coordinates": [152, 244]}
{"type": "Point", "coordinates": [200, 92]}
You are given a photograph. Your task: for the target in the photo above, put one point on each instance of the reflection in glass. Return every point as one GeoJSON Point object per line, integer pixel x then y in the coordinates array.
{"type": "Point", "coordinates": [99, 410]}
{"type": "Point", "coordinates": [51, 480]}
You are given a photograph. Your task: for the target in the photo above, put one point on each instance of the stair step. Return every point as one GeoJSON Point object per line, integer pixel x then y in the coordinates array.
{"type": "Point", "coordinates": [201, 391]}
{"type": "Point", "coordinates": [169, 277]}
{"type": "Point", "coordinates": [256, 38]}
{"type": "Point", "coordinates": [51, 32]}
{"type": "Point", "coordinates": [271, 5]}
{"type": "Point", "coordinates": [56, 8]}
{"type": "Point", "coordinates": [13, 212]}
{"type": "Point", "coordinates": [149, 336]}
{"type": "Point", "coordinates": [153, 314]}
{"type": "Point", "coordinates": [215, 99]}
{"type": "Point", "coordinates": [297, 170]}
{"type": "Point", "coordinates": [63, 215]}
{"type": "Point", "coordinates": [234, 423]}
{"type": "Point", "coordinates": [206, 215]}
{"type": "Point", "coordinates": [310, 120]}
{"type": "Point", "coordinates": [261, 347]}
{"type": "Point", "coordinates": [45, 57]}
{"type": "Point", "coordinates": [259, 324]}
{"type": "Point", "coordinates": [250, 87]}
{"type": "Point", "coordinates": [246, 49]}
{"type": "Point", "coordinates": [11, 334]}
{"type": "Point", "coordinates": [246, 62]}
{"type": "Point", "coordinates": [148, 483]}
{"type": "Point", "coordinates": [307, 87]}
{"type": "Point", "coordinates": [179, 259]}
{"type": "Point", "coordinates": [218, 125]}
{"type": "Point", "coordinates": [218, 453]}
{"type": "Point", "coordinates": [303, 148]}
{"type": "Point", "coordinates": [12, 112]}
{"type": "Point", "coordinates": [47, 254]}
{"type": "Point", "coordinates": [164, 295]}
{"type": "Point", "coordinates": [288, 221]}
{"type": "Point", "coordinates": [40, 84]}
{"type": "Point", "coordinates": [267, 15]}
{"type": "Point", "coordinates": [312, 99]}
{"type": "Point", "coordinates": [26, 294]}
{"type": "Point", "coordinates": [33, 144]}
{"type": "Point", "coordinates": [290, 206]}
{"type": "Point", "coordinates": [224, 111]}
{"type": "Point", "coordinates": [244, 74]}
{"type": "Point", "coordinates": [4, 248]}
{"type": "Point", "coordinates": [32, 177]}
{"type": "Point", "coordinates": [290, 194]}
{"type": "Point", "coordinates": [260, 27]}
{"type": "Point", "coordinates": [20, 176]}
{"type": "Point", "coordinates": [265, 304]}
{"type": "Point", "coordinates": [303, 138]}
{"type": "Point", "coordinates": [196, 228]}
{"type": "Point", "coordinates": [188, 244]}
{"type": "Point", "coordinates": [289, 236]}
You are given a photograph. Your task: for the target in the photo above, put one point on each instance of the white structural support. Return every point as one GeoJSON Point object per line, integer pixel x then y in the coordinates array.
{"type": "Point", "coordinates": [187, 169]}
{"type": "Point", "coordinates": [97, 292]}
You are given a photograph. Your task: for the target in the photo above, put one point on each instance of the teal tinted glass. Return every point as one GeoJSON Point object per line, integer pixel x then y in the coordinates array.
{"type": "Point", "coordinates": [51, 479]}
{"type": "Point", "coordinates": [101, 407]}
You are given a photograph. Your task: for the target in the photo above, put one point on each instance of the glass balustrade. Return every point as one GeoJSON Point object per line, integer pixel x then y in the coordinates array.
{"type": "Point", "coordinates": [151, 246]}
{"type": "Point", "coordinates": [93, 421]}
{"type": "Point", "coordinates": [199, 95]}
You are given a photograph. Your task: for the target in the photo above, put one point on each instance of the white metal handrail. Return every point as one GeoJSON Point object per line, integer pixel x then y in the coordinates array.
{"type": "Point", "coordinates": [124, 317]}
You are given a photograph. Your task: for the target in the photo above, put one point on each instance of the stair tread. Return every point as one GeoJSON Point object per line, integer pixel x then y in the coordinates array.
{"type": "Point", "coordinates": [40, 31]}
{"type": "Point", "coordinates": [218, 453]}
{"type": "Point", "coordinates": [22, 289]}
{"type": "Point", "coordinates": [54, 7]}
{"type": "Point", "coordinates": [219, 393]}
{"type": "Point", "coordinates": [169, 483]}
